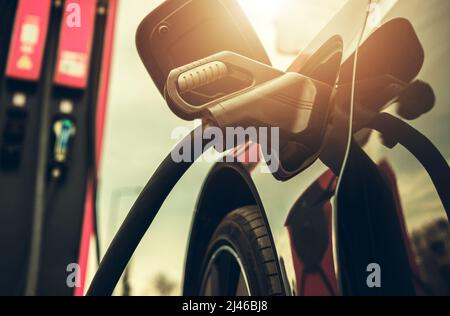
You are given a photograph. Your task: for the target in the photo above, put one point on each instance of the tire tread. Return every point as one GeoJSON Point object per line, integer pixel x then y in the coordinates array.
{"type": "Point", "coordinates": [255, 229]}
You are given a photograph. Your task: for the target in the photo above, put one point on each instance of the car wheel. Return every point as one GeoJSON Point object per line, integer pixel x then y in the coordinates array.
{"type": "Point", "coordinates": [240, 260]}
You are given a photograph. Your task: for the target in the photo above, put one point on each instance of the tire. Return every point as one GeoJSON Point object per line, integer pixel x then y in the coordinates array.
{"type": "Point", "coordinates": [241, 244]}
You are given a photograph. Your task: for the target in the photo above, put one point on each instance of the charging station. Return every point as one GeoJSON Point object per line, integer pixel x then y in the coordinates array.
{"type": "Point", "coordinates": [55, 61]}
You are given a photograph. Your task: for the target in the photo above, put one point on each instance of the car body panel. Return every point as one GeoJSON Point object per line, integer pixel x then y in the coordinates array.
{"type": "Point", "coordinates": [277, 198]}
{"type": "Point", "coordinates": [423, 209]}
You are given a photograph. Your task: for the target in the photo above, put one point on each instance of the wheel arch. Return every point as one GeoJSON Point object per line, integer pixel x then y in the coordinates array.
{"type": "Point", "coordinates": [227, 187]}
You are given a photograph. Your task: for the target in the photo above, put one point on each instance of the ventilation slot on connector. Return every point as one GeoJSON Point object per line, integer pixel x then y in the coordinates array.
{"type": "Point", "coordinates": [202, 76]}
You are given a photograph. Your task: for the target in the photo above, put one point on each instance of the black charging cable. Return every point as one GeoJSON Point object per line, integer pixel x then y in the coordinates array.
{"type": "Point", "coordinates": [396, 131]}
{"type": "Point", "coordinates": [142, 215]}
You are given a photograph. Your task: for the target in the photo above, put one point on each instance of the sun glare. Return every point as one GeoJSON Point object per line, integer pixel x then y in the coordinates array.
{"type": "Point", "coordinates": [261, 9]}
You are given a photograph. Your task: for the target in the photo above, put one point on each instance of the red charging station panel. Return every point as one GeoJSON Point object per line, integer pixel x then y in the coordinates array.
{"type": "Point", "coordinates": [28, 40]}
{"type": "Point", "coordinates": [88, 224]}
{"type": "Point", "coordinates": [75, 44]}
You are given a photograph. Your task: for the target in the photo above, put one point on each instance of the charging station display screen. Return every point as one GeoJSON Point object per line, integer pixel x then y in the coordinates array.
{"type": "Point", "coordinates": [75, 44]}
{"type": "Point", "coordinates": [28, 39]}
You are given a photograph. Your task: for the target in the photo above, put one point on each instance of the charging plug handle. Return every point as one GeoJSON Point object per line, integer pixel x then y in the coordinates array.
{"type": "Point", "coordinates": [208, 70]}
{"type": "Point", "coordinates": [298, 105]}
